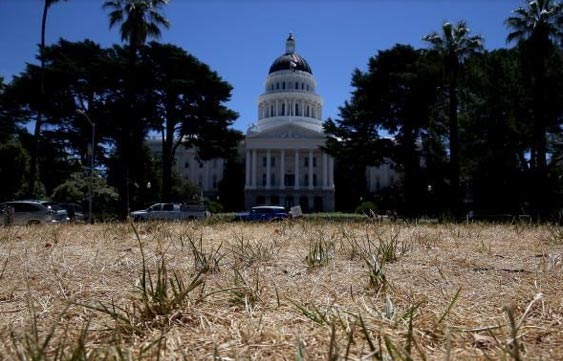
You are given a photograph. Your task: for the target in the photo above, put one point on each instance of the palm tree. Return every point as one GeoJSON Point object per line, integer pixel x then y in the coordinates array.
{"type": "Point", "coordinates": [537, 27]}
{"type": "Point", "coordinates": [454, 45]}
{"type": "Point", "coordinates": [34, 173]}
{"type": "Point", "coordinates": [140, 20]}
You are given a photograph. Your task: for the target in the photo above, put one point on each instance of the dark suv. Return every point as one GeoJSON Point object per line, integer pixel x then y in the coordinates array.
{"type": "Point", "coordinates": [263, 213]}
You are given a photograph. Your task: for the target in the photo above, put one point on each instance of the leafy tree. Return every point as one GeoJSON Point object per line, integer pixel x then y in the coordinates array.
{"type": "Point", "coordinates": [495, 133]}
{"type": "Point", "coordinates": [188, 106]}
{"type": "Point", "coordinates": [79, 76]}
{"type": "Point", "coordinates": [455, 45]}
{"type": "Point", "coordinates": [14, 163]}
{"type": "Point", "coordinates": [75, 190]}
{"type": "Point", "coordinates": [140, 20]}
{"type": "Point", "coordinates": [394, 98]}
{"type": "Point", "coordinates": [231, 187]}
{"type": "Point", "coordinates": [355, 142]}
{"type": "Point", "coordinates": [538, 27]}
{"type": "Point", "coordinates": [7, 124]}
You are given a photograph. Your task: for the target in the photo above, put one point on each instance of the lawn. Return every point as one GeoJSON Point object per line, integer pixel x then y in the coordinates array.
{"type": "Point", "coordinates": [298, 290]}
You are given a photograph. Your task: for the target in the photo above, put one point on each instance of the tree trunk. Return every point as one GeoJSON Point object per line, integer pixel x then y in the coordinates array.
{"type": "Point", "coordinates": [167, 155]}
{"type": "Point", "coordinates": [454, 152]}
{"type": "Point", "coordinates": [34, 163]}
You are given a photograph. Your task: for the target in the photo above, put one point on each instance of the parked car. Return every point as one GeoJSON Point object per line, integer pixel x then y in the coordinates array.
{"type": "Point", "coordinates": [171, 211]}
{"type": "Point", "coordinates": [75, 212]}
{"type": "Point", "coordinates": [28, 213]}
{"type": "Point", "coordinates": [60, 214]}
{"type": "Point", "coordinates": [263, 213]}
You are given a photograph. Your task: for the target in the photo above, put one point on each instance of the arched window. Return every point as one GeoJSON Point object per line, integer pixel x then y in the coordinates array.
{"type": "Point", "coordinates": [297, 110]}
{"type": "Point", "coordinates": [296, 85]}
{"type": "Point", "coordinates": [283, 85]}
{"type": "Point", "coordinates": [302, 86]}
{"type": "Point", "coordinates": [283, 110]}
{"type": "Point", "coordinates": [277, 86]}
{"type": "Point", "coordinates": [271, 110]}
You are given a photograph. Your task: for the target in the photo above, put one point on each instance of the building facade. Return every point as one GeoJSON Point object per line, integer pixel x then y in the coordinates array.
{"type": "Point", "coordinates": [284, 162]}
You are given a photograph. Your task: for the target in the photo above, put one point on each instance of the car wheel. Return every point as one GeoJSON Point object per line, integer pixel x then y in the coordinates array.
{"type": "Point", "coordinates": [33, 222]}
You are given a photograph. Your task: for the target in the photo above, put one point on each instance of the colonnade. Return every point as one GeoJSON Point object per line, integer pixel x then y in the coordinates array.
{"type": "Point", "coordinates": [290, 107]}
{"type": "Point", "coordinates": [325, 164]}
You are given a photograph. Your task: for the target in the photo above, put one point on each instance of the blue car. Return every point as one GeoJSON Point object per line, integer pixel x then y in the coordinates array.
{"type": "Point", "coordinates": [263, 213]}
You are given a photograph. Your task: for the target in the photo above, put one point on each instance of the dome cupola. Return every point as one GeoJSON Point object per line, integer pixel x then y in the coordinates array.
{"type": "Point", "coordinates": [290, 60]}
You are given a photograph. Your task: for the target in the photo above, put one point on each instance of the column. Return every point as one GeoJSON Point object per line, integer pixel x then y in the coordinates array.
{"type": "Point", "coordinates": [331, 172]}
{"type": "Point", "coordinates": [248, 168]}
{"type": "Point", "coordinates": [325, 170]}
{"type": "Point", "coordinates": [310, 169]}
{"type": "Point", "coordinates": [296, 169]}
{"type": "Point", "coordinates": [268, 169]}
{"type": "Point", "coordinates": [254, 168]}
{"type": "Point", "coordinates": [282, 169]}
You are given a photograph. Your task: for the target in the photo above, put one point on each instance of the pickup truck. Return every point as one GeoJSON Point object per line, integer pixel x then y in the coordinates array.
{"type": "Point", "coordinates": [171, 211]}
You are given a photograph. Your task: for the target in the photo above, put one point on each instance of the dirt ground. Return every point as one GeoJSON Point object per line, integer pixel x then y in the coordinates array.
{"type": "Point", "coordinates": [298, 290]}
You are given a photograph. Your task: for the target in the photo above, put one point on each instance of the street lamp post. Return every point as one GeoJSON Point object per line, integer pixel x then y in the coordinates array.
{"type": "Point", "coordinates": [90, 217]}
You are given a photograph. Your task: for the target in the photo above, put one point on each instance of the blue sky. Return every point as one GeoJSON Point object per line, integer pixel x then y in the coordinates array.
{"type": "Point", "coordinates": [240, 39]}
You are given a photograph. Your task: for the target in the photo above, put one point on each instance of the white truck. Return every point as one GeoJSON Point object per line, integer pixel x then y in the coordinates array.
{"type": "Point", "coordinates": [171, 211]}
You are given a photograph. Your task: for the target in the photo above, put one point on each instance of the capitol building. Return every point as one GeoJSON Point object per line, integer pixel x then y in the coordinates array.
{"type": "Point", "coordinates": [281, 153]}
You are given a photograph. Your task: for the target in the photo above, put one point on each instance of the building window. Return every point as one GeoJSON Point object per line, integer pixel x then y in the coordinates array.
{"type": "Point", "coordinates": [296, 85]}
{"type": "Point", "coordinates": [200, 181]}
{"type": "Point", "coordinates": [289, 202]}
{"type": "Point", "coordinates": [306, 161]}
{"type": "Point", "coordinates": [273, 179]}
{"type": "Point", "coordinates": [277, 86]}
{"type": "Point", "coordinates": [201, 164]}
{"type": "Point", "coordinates": [186, 164]}
{"type": "Point", "coordinates": [289, 180]}
{"type": "Point", "coordinates": [302, 86]}
{"type": "Point", "coordinates": [264, 179]}
{"type": "Point", "coordinates": [307, 87]}
{"type": "Point", "coordinates": [214, 181]}
{"type": "Point", "coordinates": [273, 161]}
{"type": "Point", "coordinates": [307, 114]}
{"type": "Point", "coordinates": [306, 179]}
{"type": "Point", "coordinates": [283, 109]}
{"type": "Point", "coordinates": [283, 85]}
{"type": "Point", "coordinates": [304, 203]}
{"type": "Point", "coordinates": [314, 180]}
{"type": "Point", "coordinates": [314, 162]}
{"type": "Point", "coordinates": [271, 110]}
{"type": "Point", "coordinates": [264, 161]}
{"type": "Point", "coordinates": [297, 109]}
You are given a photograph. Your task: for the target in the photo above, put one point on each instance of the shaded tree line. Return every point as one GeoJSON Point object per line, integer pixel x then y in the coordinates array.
{"type": "Point", "coordinates": [467, 129]}
{"type": "Point", "coordinates": [175, 96]}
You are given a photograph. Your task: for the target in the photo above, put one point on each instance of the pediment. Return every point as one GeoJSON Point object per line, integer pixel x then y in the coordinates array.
{"type": "Point", "coordinates": [288, 131]}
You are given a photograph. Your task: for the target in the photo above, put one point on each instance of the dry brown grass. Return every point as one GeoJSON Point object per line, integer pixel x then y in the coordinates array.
{"type": "Point", "coordinates": [285, 291]}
